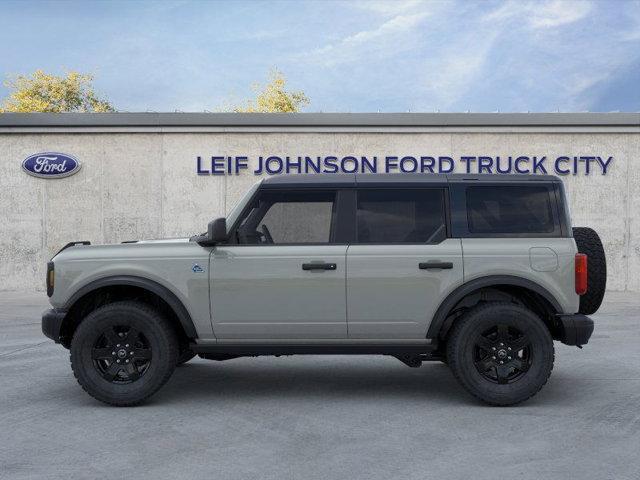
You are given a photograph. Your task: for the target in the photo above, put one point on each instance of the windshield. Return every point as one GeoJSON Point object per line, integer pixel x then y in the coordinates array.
{"type": "Point", "coordinates": [237, 209]}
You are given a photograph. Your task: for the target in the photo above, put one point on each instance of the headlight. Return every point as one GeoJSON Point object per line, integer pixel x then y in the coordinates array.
{"type": "Point", "coordinates": [50, 278]}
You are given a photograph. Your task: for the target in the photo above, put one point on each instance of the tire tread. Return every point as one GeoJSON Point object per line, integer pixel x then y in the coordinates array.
{"type": "Point", "coordinates": [161, 322]}
{"type": "Point", "coordinates": [454, 340]}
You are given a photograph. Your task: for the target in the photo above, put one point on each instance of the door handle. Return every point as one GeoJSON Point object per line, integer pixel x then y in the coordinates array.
{"type": "Point", "coordinates": [319, 266]}
{"type": "Point", "coordinates": [435, 265]}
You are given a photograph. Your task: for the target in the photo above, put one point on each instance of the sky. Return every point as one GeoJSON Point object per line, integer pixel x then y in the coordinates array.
{"type": "Point", "coordinates": [358, 56]}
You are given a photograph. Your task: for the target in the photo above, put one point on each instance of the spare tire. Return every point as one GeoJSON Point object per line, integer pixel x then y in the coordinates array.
{"type": "Point", "coordinates": [589, 243]}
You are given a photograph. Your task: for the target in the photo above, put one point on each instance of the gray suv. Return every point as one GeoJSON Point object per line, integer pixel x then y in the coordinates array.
{"type": "Point", "coordinates": [481, 272]}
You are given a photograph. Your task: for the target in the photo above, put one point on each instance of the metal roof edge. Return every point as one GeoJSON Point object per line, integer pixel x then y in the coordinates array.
{"type": "Point", "coordinates": [121, 119]}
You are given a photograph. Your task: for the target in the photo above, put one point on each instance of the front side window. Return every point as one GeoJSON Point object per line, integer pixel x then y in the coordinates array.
{"type": "Point", "coordinates": [509, 209]}
{"type": "Point", "coordinates": [401, 216]}
{"type": "Point", "coordinates": [289, 217]}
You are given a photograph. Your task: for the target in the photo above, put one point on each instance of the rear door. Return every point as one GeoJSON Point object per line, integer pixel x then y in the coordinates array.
{"type": "Point", "coordinates": [402, 263]}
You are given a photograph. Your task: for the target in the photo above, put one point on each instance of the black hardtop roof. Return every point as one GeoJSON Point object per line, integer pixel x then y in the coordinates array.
{"type": "Point", "coordinates": [397, 179]}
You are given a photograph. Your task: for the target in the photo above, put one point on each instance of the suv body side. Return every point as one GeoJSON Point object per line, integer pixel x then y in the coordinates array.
{"type": "Point", "coordinates": [377, 291]}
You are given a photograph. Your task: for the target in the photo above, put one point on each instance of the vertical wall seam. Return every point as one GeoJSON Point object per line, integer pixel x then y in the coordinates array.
{"type": "Point", "coordinates": [627, 215]}
{"type": "Point", "coordinates": [44, 220]}
{"type": "Point", "coordinates": [225, 186]}
{"type": "Point", "coordinates": [451, 145]}
{"type": "Point", "coordinates": [162, 154]}
{"type": "Point", "coordinates": [103, 156]}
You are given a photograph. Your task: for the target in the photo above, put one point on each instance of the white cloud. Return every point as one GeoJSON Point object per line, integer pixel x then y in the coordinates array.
{"type": "Point", "coordinates": [449, 75]}
{"type": "Point", "coordinates": [391, 37]}
{"type": "Point", "coordinates": [559, 12]}
{"type": "Point", "coordinates": [506, 11]}
{"type": "Point", "coordinates": [580, 62]}
{"type": "Point", "coordinates": [540, 15]}
{"type": "Point", "coordinates": [520, 55]}
{"type": "Point", "coordinates": [396, 25]}
{"type": "Point", "coordinates": [632, 13]}
{"type": "Point", "coordinates": [390, 7]}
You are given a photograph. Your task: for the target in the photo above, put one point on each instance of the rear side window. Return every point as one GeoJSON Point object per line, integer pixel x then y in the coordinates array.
{"type": "Point", "coordinates": [401, 216]}
{"type": "Point", "coordinates": [509, 209]}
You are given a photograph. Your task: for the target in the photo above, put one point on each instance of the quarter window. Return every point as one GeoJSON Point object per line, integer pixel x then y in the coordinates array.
{"type": "Point", "coordinates": [509, 209]}
{"type": "Point", "coordinates": [289, 217]}
{"type": "Point", "coordinates": [401, 216]}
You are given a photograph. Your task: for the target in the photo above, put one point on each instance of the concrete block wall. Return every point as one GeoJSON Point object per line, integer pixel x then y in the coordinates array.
{"type": "Point", "coordinates": [144, 185]}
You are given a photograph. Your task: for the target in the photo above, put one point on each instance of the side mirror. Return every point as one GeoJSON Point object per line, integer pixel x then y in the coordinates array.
{"type": "Point", "coordinates": [217, 230]}
{"type": "Point", "coordinates": [216, 233]}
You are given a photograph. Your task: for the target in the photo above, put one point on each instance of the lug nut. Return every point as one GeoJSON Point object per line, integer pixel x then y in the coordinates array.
{"type": "Point", "coordinates": [501, 344]}
{"type": "Point", "coordinates": [127, 360]}
{"type": "Point", "coordinates": [118, 361]}
{"type": "Point", "coordinates": [493, 348]}
{"type": "Point", "coordinates": [113, 353]}
{"type": "Point", "coordinates": [509, 348]}
{"type": "Point", "coordinates": [130, 353]}
{"type": "Point", "coordinates": [493, 358]}
{"type": "Point", "coordinates": [501, 362]}
{"type": "Point", "coordinates": [509, 358]}
{"type": "Point", "coordinates": [127, 345]}
{"type": "Point", "coordinates": [117, 345]}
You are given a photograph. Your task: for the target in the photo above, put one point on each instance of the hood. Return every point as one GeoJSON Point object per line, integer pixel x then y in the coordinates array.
{"type": "Point", "coordinates": [73, 249]}
{"type": "Point", "coordinates": [161, 240]}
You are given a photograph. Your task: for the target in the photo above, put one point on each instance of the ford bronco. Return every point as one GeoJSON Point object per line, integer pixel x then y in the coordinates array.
{"type": "Point", "coordinates": [481, 272]}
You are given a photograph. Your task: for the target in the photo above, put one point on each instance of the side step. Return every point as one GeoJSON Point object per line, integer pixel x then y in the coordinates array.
{"type": "Point", "coordinates": [409, 352]}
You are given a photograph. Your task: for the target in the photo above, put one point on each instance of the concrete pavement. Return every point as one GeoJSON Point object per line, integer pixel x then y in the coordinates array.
{"type": "Point", "coordinates": [321, 417]}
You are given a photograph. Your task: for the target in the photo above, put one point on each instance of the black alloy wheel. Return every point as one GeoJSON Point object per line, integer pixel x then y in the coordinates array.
{"type": "Point", "coordinates": [121, 354]}
{"type": "Point", "coordinates": [502, 354]}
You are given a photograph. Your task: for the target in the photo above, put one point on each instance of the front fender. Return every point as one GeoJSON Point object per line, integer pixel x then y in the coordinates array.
{"type": "Point", "coordinates": [163, 292]}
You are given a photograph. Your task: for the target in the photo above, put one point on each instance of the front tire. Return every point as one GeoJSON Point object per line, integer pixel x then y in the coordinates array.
{"type": "Point", "coordinates": [501, 353]}
{"type": "Point", "coordinates": [123, 352]}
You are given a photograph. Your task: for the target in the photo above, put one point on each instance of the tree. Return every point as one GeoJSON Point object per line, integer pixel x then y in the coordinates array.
{"type": "Point", "coordinates": [42, 92]}
{"type": "Point", "coordinates": [274, 98]}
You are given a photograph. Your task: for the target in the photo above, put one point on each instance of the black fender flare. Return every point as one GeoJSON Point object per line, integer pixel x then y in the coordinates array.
{"type": "Point", "coordinates": [150, 285]}
{"type": "Point", "coordinates": [438, 326]}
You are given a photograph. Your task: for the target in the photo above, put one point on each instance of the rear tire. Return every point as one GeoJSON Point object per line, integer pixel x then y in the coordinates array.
{"type": "Point", "coordinates": [588, 242]}
{"type": "Point", "coordinates": [123, 352]}
{"type": "Point", "coordinates": [501, 353]}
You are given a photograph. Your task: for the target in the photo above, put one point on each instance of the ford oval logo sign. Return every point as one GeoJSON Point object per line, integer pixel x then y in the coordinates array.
{"type": "Point", "coordinates": [51, 165]}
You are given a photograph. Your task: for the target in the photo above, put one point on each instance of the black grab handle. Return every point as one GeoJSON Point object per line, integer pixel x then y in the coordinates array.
{"type": "Point", "coordinates": [434, 265]}
{"type": "Point", "coordinates": [319, 266]}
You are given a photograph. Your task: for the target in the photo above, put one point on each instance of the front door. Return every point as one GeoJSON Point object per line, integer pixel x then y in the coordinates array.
{"type": "Point", "coordinates": [283, 273]}
{"type": "Point", "coordinates": [402, 264]}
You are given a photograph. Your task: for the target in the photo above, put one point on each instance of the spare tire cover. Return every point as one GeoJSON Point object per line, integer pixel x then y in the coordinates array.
{"type": "Point", "coordinates": [589, 243]}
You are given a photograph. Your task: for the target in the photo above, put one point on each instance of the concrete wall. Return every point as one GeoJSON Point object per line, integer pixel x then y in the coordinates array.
{"type": "Point", "coordinates": [144, 185]}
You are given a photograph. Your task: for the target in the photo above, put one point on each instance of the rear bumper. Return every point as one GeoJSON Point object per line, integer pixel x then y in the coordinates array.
{"type": "Point", "coordinates": [575, 329]}
{"type": "Point", "coordinates": [52, 323]}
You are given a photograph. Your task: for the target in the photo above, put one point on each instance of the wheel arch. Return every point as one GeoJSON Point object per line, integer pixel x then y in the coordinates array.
{"type": "Point", "coordinates": [513, 286]}
{"type": "Point", "coordinates": [113, 288]}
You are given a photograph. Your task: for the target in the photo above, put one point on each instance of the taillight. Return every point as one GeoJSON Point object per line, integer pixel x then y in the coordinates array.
{"type": "Point", "coordinates": [581, 273]}
{"type": "Point", "coordinates": [50, 278]}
